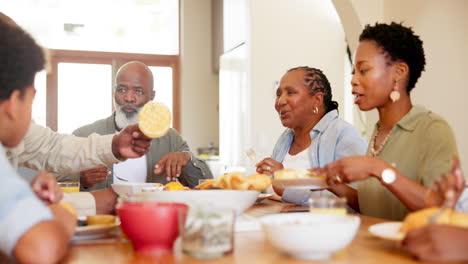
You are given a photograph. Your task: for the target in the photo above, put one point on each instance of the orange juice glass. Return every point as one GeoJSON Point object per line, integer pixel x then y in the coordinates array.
{"type": "Point", "coordinates": [69, 187]}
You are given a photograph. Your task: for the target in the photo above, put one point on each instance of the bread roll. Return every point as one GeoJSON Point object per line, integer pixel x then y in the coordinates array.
{"type": "Point", "coordinates": [208, 184]}
{"type": "Point", "coordinates": [421, 218]}
{"type": "Point", "coordinates": [285, 174]}
{"type": "Point", "coordinates": [258, 182]}
{"type": "Point", "coordinates": [100, 219]}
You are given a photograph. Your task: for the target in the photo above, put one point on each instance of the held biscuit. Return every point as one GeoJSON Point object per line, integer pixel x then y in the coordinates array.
{"type": "Point", "coordinates": [154, 119]}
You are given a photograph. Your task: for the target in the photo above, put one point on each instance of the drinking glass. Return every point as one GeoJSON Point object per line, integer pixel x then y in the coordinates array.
{"type": "Point", "coordinates": [208, 232]}
{"type": "Point", "coordinates": [328, 205]}
{"type": "Point", "coordinates": [69, 187]}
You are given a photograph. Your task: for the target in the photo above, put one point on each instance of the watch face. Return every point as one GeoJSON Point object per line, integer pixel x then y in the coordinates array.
{"type": "Point", "coordinates": [388, 176]}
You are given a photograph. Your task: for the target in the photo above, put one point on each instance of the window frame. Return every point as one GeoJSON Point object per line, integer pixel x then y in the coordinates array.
{"type": "Point", "coordinates": [116, 60]}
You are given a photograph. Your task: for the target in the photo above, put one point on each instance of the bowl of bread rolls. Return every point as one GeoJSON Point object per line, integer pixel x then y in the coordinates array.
{"type": "Point", "coordinates": [300, 179]}
{"type": "Point", "coordinates": [231, 190]}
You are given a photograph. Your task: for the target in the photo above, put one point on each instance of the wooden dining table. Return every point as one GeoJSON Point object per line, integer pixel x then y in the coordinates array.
{"type": "Point", "coordinates": [249, 247]}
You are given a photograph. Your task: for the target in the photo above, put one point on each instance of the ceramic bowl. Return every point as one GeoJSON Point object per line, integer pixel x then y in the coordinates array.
{"type": "Point", "coordinates": [233, 199]}
{"type": "Point", "coordinates": [310, 236]}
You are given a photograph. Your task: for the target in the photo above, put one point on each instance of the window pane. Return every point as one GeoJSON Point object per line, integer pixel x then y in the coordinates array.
{"type": "Point", "coordinates": [163, 85]}
{"type": "Point", "coordinates": [39, 104]}
{"type": "Point", "coordinates": [136, 26]}
{"type": "Point", "coordinates": [84, 94]}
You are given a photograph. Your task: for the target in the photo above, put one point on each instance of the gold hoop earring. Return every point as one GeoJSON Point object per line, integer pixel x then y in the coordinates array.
{"type": "Point", "coordinates": [395, 94]}
{"type": "Point", "coordinates": [315, 110]}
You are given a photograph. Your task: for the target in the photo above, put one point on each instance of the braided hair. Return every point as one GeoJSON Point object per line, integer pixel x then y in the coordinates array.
{"type": "Point", "coordinates": [316, 81]}
{"type": "Point", "coordinates": [399, 43]}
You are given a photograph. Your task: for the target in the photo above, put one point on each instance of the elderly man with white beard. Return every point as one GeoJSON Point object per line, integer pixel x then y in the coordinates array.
{"type": "Point", "coordinates": [169, 157]}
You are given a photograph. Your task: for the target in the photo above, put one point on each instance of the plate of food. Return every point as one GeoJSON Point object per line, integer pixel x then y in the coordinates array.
{"type": "Point", "coordinates": [387, 230]}
{"type": "Point", "coordinates": [95, 226]}
{"type": "Point", "coordinates": [299, 179]}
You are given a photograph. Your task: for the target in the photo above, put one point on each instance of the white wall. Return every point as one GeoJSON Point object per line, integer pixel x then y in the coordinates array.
{"type": "Point", "coordinates": [442, 25]}
{"type": "Point", "coordinates": [285, 34]}
{"type": "Point", "coordinates": [199, 85]}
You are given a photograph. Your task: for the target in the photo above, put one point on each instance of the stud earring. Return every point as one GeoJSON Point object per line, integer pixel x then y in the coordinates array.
{"type": "Point", "coordinates": [395, 94]}
{"type": "Point", "coordinates": [315, 110]}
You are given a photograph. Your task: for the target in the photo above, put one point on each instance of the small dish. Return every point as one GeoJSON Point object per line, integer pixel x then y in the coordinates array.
{"type": "Point", "coordinates": [263, 196]}
{"type": "Point", "coordinates": [388, 230]}
{"type": "Point", "coordinates": [316, 183]}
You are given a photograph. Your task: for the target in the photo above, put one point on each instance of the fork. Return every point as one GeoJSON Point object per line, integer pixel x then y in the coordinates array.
{"type": "Point", "coordinates": [252, 155]}
{"type": "Point", "coordinates": [446, 205]}
{"type": "Point", "coordinates": [121, 178]}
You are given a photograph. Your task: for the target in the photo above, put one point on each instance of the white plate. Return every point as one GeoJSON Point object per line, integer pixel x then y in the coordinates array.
{"type": "Point", "coordinates": [388, 230]}
{"type": "Point", "coordinates": [93, 231]}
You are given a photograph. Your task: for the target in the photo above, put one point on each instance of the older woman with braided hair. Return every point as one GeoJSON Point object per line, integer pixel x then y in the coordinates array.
{"type": "Point", "coordinates": [315, 135]}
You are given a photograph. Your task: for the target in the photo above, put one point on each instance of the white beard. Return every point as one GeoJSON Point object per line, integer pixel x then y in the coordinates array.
{"type": "Point", "coordinates": [123, 119]}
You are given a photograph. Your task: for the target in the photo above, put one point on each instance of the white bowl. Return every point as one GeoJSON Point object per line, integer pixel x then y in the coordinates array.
{"type": "Point", "coordinates": [130, 187]}
{"type": "Point", "coordinates": [234, 199]}
{"type": "Point", "coordinates": [308, 235]}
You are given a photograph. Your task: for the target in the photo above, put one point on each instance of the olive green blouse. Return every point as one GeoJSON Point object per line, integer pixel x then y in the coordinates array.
{"type": "Point", "coordinates": [421, 146]}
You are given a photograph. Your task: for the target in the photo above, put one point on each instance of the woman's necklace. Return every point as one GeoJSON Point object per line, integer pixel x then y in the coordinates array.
{"type": "Point", "coordinates": [375, 152]}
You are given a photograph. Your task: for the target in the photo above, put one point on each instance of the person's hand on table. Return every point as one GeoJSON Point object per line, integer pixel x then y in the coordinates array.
{"type": "Point", "coordinates": [91, 177]}
{"type": "Point", "coordinates": [268, 166]}
{"type": "Point", "coordinates": [437, 243]}
{"type": "Point", "coordinates": [172, 164]}
{"type": "Point", "coordinates": [46, 188]}
{"type": "Point", "coordinates": [130, 143]}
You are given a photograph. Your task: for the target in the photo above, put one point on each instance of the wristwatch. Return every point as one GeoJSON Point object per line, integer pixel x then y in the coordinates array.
{"type": "Point", "coordinates": [388, 176]}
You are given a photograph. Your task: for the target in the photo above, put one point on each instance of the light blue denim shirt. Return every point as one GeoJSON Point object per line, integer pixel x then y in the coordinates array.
{"type": "Point", "coordinates": [332, 139]}
{"type": "Point", "coordinates": [20, 209]}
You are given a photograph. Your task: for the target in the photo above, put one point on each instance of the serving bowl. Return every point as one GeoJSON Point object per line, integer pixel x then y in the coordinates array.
{"type": "Point", "coordinates": [310, 236]}
{"type": "Point", "coordinates": [234, 199]}
{"type": "Point", "coordinates": [152, 226]}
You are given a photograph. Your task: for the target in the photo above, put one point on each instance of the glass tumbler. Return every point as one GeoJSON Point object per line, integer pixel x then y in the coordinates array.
{"type": "Point", "coordinates": [328, 205]}
{"type": "Point", "coordinates": [208, 232]}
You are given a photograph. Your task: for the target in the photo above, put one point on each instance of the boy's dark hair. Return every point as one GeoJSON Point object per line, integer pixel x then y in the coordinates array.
{"type": "Point", "coordinates": [20, 59]}
{"type": "Point", "coordinates": [400, 43]}
{"type": "Point", "coordinates": [317, 82]}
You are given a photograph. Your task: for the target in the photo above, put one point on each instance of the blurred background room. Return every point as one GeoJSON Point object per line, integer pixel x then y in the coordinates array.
{"type": "Point", "coordinates": [217, 62]}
